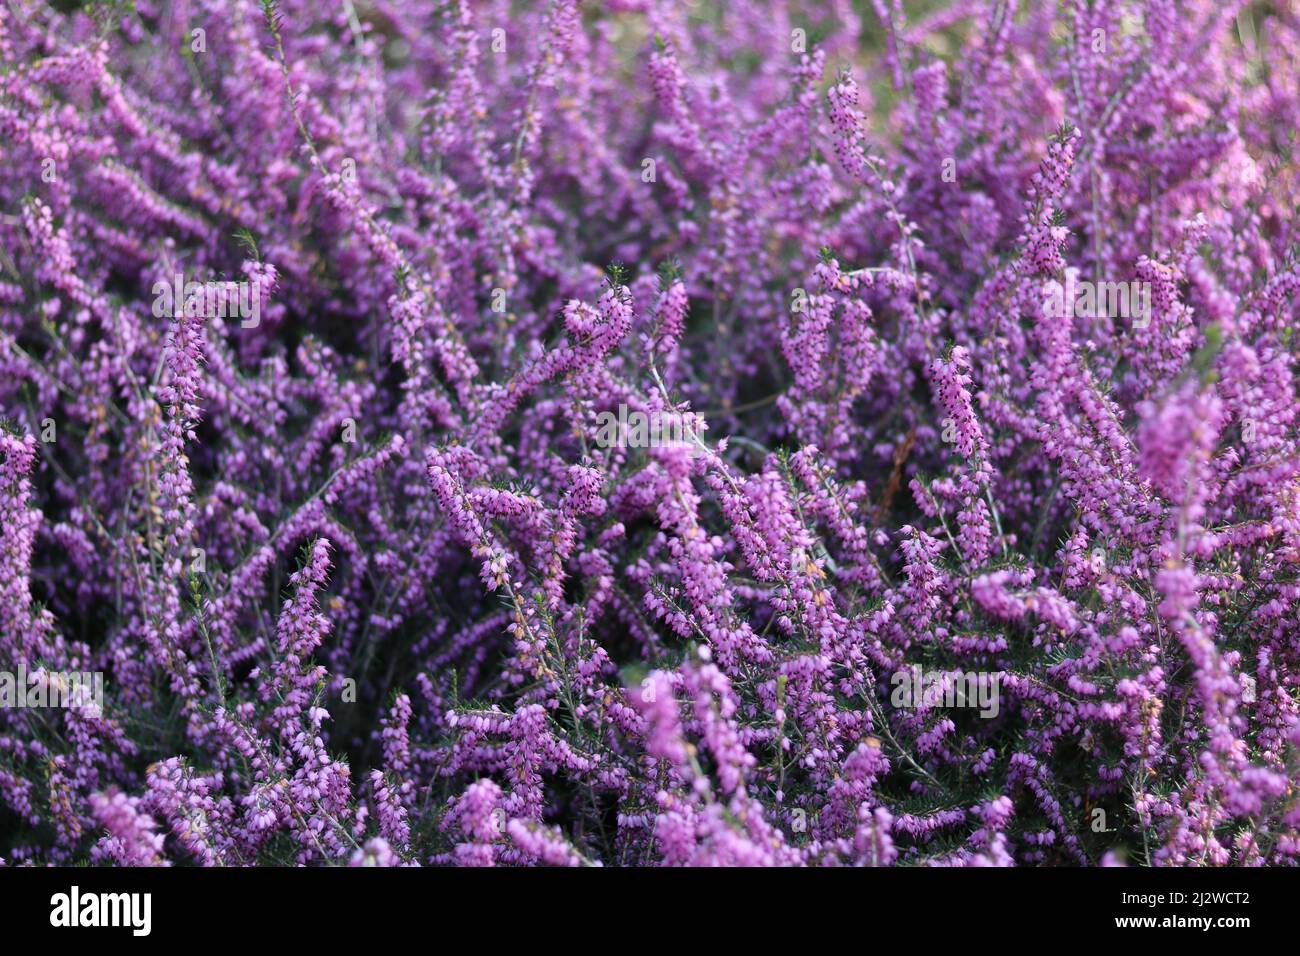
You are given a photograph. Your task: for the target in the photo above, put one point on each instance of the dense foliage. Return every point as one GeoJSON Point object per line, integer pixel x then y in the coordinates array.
{"type": "Point", "coordinates": [371, 578]}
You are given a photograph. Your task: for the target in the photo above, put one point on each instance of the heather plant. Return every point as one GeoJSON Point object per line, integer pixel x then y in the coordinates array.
{"type": "Point", "coordinates": [320, 327]}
